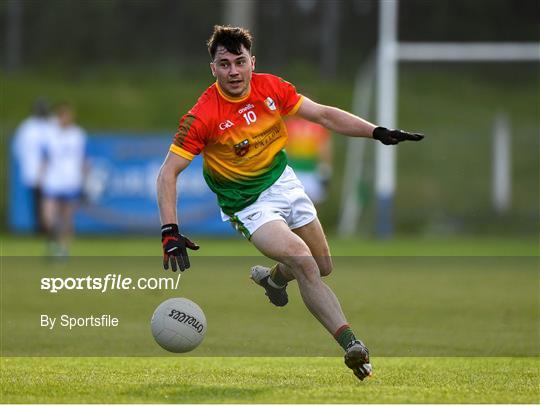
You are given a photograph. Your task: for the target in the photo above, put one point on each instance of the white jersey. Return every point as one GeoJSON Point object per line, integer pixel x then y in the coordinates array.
{"type": "Point", "coordinates": [28, 148]}
{"type": "Point", "coordinates": [64, 156]}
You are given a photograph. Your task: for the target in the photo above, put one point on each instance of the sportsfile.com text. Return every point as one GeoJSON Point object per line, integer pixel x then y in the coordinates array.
{"type": "Point", "coordinates": [109, 282]}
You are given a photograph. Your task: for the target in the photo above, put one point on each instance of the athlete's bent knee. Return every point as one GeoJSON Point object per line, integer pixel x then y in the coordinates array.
{"type": "Point", "coordinates": [325, 266]}
{"type": "Point", "coordinates": [309, 272]}
{"type": "Point", "coordinates": [304, 266]}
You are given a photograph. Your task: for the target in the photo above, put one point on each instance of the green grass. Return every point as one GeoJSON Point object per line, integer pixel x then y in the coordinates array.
{"type": "Point", "coordinates": [447, 321]}
{"type": "Point", "coordinates": [268, 380]}
{"type": "Point", "coordinates": [11, 245]}
{"type": "Point", "coordinates": [401, 306]}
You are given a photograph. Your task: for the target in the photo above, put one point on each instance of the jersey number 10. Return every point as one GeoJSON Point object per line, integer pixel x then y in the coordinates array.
{"type": "Point", "coordinates": [250, 117]}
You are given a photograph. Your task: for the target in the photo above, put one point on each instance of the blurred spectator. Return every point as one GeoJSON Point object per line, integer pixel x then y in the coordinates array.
{"type": "Point", "coordinates": [63, 175]}
{"type": "Point", "coordinates": [310, 155]}
{"type": "Point", "coordinates": [28, 151]}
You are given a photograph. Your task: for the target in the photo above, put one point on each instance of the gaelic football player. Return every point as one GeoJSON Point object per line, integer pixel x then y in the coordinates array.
{"type": "Point", "coordinates": [237, 125]}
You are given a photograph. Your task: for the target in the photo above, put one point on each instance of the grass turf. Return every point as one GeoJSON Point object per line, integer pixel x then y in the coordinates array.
{"type": "Point", "coordinates": [11, 245]}
{"type": "Point", "coordinates": [268, 380]}
{"type": "Point", "coordinates": [407, 310]}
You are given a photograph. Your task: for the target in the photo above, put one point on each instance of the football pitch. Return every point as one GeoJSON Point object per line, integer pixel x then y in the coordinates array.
{"type": "Point", "coordinates": [268, 380]}
{"type": "Point", "coordinates": [447, 321]}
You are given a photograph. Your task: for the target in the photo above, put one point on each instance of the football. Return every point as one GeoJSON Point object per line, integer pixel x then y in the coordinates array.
{"type": "Point", "coordinates": [178, 325]}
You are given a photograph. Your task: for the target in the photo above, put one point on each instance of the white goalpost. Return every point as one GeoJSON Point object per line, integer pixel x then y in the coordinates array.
{"type": "Point", "coordinates": [389, 53]}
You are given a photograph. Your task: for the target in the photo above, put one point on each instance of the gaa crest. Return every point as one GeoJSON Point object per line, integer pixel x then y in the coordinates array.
{"type": "Point", "coordinates": [242, 148]}
{"type": "Point", "coordinates": [270, 103]}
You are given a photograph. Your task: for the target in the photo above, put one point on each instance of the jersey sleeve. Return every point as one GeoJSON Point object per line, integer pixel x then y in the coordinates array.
{"type": "Point", "coordinates": [289, 99]}
{"type": "Point", "coordinates": [190, 138]}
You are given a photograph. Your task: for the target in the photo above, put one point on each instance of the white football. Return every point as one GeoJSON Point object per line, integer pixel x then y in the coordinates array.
{"type": "Point", "coordinates": [178, 325]}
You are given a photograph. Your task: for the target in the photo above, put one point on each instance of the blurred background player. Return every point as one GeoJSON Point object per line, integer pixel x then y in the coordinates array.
{"type": "Point", "coordinates": [28, 151]}
{"type": "Point", "coordinates": [309, 151]}
{"type": "Point", "coordinates": [63, 175]}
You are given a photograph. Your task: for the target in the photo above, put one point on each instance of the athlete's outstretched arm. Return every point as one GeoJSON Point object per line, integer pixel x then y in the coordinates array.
{"type": "Point", "coordinates": [346, 123]}
{"type": "Point", "coordinates": [166, 187]}
{"type": "Point", "coordinates": [335, 119]}
{"type": "Point", "coordinates": [174, 243]}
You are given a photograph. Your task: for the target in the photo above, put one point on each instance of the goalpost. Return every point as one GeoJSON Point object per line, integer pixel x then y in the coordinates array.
{"type": "Point", "coordinates": [389, 53]}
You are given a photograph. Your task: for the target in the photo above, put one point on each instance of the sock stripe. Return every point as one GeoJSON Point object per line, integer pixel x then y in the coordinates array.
{"type": "Point", "coordinates": [341, 330]}
{"type": "Point", "coordinates": [276, 277]}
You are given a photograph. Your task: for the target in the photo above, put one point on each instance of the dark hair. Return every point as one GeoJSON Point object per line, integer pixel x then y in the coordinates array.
{"type": "Point", "coordinates": [41, 108]}
{"type": "Point", "coordinates": [231, 38]}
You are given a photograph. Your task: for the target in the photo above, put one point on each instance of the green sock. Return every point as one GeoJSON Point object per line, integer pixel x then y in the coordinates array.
{"type": "Point", "coordinates": [344, 335]}
{"type": "Point", "coordinates": [276, 276]}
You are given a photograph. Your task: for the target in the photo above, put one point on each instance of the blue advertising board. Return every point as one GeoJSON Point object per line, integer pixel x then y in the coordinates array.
{"type": "Point", "coordinates": [120, 190]}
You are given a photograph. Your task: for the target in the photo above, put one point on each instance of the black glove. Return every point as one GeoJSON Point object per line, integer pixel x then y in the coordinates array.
{"type": "Point", "coordinates": [391, 137]}
{"type": "Point", "coordinates": [174, 247]}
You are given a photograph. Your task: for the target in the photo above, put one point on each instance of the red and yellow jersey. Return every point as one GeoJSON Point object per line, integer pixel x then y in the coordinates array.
{"type": "Point", "coordinates": [241, 139]}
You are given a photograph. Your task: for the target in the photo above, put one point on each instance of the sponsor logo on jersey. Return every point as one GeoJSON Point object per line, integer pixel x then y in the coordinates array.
{"type": "Point", "coordinates": [245, 108]}
{"type": "Point", "coordinates": [242, 148]}
{"type": "Point", "coordinates": [226, 124]}
{"type": "Point", "coordinates": [270, 103]}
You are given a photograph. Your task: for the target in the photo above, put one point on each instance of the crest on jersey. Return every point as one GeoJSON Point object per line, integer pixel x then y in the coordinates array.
{"type": "Point", "coordinates": [270, 103]}
{"type": "Point", "coordinates": [242, 148]}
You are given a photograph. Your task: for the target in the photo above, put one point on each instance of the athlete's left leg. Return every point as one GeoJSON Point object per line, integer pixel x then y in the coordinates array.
{"type": "Point", "coordinates": [67, 208]}
{"type": "Point", "coordinates": [50, 209]}
{"type": "Point", "coordinates": [356, 353]}
{"type": "Point", "coordinates": [276, 241]}
{"type": "Point", "coordinates": [313, 235]}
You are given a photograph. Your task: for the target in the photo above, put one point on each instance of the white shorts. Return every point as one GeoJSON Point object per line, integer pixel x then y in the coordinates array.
{"type": "Point", "coordinates": [285, 200]}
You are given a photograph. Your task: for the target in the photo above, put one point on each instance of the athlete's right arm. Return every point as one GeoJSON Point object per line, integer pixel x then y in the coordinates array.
{"type": "Point", "coordinates": [174, 243]}
{"type": "Point", "coordinates": [166, 186]}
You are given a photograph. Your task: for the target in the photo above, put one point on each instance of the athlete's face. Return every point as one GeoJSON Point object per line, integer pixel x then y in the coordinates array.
{"type": "Point", "coordinates": [232, 71]}
{"type": "Point", "coordinates": [65, 116]}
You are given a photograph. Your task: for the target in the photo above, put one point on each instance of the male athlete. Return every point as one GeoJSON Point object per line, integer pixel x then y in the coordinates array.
{"type": "Point", "coordinates": [237, 125]}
